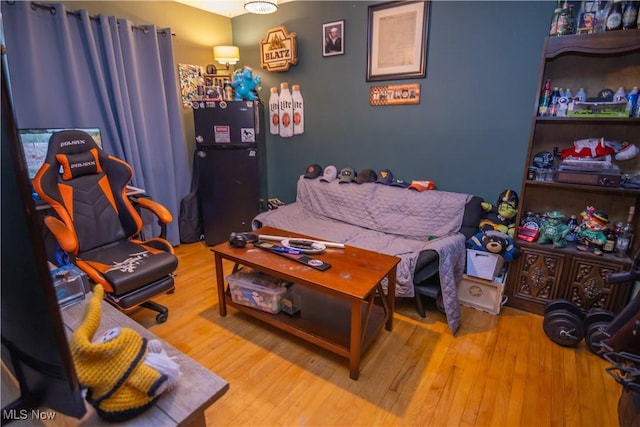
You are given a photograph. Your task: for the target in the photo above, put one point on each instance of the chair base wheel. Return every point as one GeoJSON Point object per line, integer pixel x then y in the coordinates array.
{"type": "Point", "coordinates": [163, 312]}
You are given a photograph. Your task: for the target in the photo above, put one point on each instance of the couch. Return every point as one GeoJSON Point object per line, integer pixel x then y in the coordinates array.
{"type": "Point", "coordinates": [426, 230]}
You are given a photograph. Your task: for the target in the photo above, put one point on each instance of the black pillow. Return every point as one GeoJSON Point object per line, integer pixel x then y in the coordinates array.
{"type": "Point", "coordinates": [76, 165]}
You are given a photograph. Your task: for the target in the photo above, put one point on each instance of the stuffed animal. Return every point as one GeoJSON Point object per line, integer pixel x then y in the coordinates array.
{"type": "Point", "coordinates": [244, 84]}
{"type": "Point", "coordinates": [554, 230]}
{"type": "Point", "coordinates": [495, 242]}
{"type": "Point", "coordinates": [123, 372]}
{"type": "Point", "coordinates": [590, 233]}
{"type": "Point", "coordinates": [501, 217]}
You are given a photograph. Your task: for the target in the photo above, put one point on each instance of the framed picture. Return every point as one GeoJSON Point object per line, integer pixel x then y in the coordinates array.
{"type": "Point", "coordinates": [397, 40]}
{"type": "Point", "coordinates": [333, 38]}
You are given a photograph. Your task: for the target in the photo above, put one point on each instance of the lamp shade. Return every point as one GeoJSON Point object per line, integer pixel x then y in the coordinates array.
{"type": "Point", "coordinates": [227, 55]}
{"type": "Point", "coordinates": [261, 7]}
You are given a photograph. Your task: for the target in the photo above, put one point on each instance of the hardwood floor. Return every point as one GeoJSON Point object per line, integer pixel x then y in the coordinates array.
{"type": "Point", "coordinates": [497, 371]}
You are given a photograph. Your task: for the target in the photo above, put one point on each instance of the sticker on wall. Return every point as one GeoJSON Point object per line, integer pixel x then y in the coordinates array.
{"type": "Point", "coordinates": [404, 94]}
{"type": "Point", "coordinates": [278, 50]}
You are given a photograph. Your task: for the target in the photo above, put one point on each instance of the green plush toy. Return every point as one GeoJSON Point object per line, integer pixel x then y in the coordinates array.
{"type": "Point", "coordinates": [501, 217]}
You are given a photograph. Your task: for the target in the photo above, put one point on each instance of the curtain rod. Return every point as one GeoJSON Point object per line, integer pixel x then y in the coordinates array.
{"type": "Point", "coordinates": [52, 9]}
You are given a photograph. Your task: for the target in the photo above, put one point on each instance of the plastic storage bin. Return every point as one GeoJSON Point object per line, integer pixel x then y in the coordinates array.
{"type": "Point", "coordinates": [484, 265]}
{"type": "Point", "coordinates": [256, 289]}
{"type": "Point", "coordinates": [70, 283]}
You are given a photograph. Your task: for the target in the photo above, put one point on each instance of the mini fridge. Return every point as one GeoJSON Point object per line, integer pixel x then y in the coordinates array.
{"type": "Point", "coordinates": [230, 141]}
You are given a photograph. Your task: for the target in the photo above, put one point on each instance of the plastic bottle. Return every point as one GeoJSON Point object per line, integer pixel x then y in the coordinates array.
{"type": "Point", "coordinates": [614, 19]}
{"type": "Point", "coordinates": [632, 101]}
{"type": "Point", "coordinates": [228, 91]}
{"type": "Point", "coordinates": [568, 94]}
{"type": "Point", "coordinates": [274, 108]}
{"type": "Point", "coordinates": [298, 110]}
{"type": "Point", "coordinates": [625, 236]}
{"type": "Point", "coordinates": [602, 10]}
{"type": "Point", "coordinates": [545, 99]}
{"type": "Point", "coordinates": [630, 15]}
{"type": "Point", "coordinates": [620, 95]}
{"type": "Point", "coordinates": [581, 95]}
{"type": "Point", "coordinates": [285, 112]}
{"type": "Point", "coordinates": [572, 224]}
{"type": "Point", "coordinates": [554, 104]}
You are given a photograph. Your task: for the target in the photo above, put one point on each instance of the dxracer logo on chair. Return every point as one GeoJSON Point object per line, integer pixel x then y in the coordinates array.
{"type": "Point", "coordinates": [72, 142]}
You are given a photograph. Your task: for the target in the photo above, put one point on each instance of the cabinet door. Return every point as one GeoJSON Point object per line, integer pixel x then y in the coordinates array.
{"type": "Point", "coordinates": [588, 288]}
{"type": "Point", "coordinates": [536, 279]}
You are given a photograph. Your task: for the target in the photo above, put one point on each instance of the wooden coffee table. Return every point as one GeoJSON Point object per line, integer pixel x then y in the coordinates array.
{"type": "Point", "coordinates": [339, 309]}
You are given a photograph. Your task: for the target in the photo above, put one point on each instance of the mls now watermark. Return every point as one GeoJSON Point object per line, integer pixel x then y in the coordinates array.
{"type": "Point", "coordinates": [26, 414]}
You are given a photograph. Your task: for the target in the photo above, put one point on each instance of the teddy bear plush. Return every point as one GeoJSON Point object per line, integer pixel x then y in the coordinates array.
{"type": "Point", "coordinates": [502, 216]}
{"type": "Point", "coordinates": [123, 372]}
{"type": "Point", "coordinates": [495, 242]}
{"type": "Point", "coordinates": [244, 84]}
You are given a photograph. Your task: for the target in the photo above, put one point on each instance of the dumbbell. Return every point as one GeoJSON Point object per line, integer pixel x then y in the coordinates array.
{"type": "Point", "coordinates": [566, 324]}
{"type": "Point", "coordinates": [596, 325]}
{"type": "Point", "coordinates": [563, 322]}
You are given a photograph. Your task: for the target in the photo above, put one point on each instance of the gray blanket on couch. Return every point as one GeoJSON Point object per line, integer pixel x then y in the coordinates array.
{"type": "Point", "coordinates": [385, 219]}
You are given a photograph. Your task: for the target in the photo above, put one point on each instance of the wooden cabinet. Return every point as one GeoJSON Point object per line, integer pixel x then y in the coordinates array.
{"type": "Point", "coordinates": [542, 272]}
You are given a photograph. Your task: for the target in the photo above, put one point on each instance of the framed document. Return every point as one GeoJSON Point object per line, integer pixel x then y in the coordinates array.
{"type": "Point", "coordinates": [397, 40]}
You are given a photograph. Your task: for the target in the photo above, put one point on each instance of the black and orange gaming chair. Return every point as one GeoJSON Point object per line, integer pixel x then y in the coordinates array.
{"type": "Point", "coordinates": [97, 223]}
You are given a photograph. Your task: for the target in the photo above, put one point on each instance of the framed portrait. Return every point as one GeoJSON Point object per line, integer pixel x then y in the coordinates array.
{"type": "Point", "coordinates": [333, 38]}
{"type": "Point", "coordinates": [397, 40]}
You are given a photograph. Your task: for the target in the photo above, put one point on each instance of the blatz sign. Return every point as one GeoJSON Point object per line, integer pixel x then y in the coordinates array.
{"type": "Point", "coordinates": [278, 50]}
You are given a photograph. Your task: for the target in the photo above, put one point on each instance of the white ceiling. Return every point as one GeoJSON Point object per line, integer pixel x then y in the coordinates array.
{"type": "Point", "coordinates": [229, 8]}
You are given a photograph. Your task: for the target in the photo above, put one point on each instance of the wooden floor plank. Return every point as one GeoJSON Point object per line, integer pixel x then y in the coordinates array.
{"type": "Point", "coordinates": [497, 370]}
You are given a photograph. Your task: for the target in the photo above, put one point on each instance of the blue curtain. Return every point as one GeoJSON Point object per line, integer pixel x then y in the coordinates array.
{"type": "Point", "coordinates": [69, 69]}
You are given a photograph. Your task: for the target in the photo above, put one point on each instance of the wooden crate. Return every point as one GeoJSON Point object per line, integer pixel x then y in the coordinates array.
{"type": "Point", "coordinates": [481, 294]}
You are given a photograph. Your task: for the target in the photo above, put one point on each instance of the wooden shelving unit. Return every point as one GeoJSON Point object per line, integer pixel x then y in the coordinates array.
{"type": "Point", "coordinates": [543, 273]}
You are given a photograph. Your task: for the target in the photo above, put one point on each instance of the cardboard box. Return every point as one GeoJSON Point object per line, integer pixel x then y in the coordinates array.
{"type": "Point", "coordinates": [256, 289]}
{"type": "Point", "coordinates": [597, 109]}
{"type": "Point", "coordinates": [484, 265]}
{"type": "Point", "coordinates": [481, 294]}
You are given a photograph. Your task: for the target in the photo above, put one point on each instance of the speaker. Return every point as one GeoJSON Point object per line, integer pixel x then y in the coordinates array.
{"type": "Point", "coordinates": [240, 240]}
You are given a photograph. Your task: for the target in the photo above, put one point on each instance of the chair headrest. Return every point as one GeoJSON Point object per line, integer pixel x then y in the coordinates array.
{"type": "Point", "coordinates": [70, 142]}
{"type": "Point", "coordinates": [76, 152]}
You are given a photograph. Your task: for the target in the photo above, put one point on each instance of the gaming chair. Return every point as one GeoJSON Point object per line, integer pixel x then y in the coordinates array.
{"type": "Point", "coordinates": [99, 226]}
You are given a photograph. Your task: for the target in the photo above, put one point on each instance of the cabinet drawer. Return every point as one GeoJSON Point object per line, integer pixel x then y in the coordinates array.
{"type": "Point", "coordinates": [588, 288]}
{"type": "Point", "coordinates": [535, 279]}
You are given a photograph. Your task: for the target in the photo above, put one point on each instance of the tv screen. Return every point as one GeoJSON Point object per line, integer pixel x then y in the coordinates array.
{"type": "Point", "coordinates": [36, 141]}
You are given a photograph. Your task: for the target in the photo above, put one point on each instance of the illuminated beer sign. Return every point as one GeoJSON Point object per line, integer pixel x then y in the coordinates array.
{"type": "Point", "coordinates": [278, 50]}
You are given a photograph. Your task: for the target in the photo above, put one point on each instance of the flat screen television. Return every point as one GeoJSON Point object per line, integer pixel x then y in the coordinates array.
{"type": "Point", "coordinates": [34, 343]}
{"type": "Point", "coordinates": [36, 141]}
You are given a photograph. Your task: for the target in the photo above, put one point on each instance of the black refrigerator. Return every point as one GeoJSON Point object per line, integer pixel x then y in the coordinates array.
{"type": "Point", "coordinates": [230, 145]}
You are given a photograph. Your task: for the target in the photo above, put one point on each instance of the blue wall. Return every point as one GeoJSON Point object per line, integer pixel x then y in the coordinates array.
{"type": "Point", "coordinates": [468, 134]}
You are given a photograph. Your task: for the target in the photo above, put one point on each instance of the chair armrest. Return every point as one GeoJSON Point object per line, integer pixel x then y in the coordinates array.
{"type": "Point", "coordinates": [64, 235]}
{"type": "Point", "coordinates": [163, 214]}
